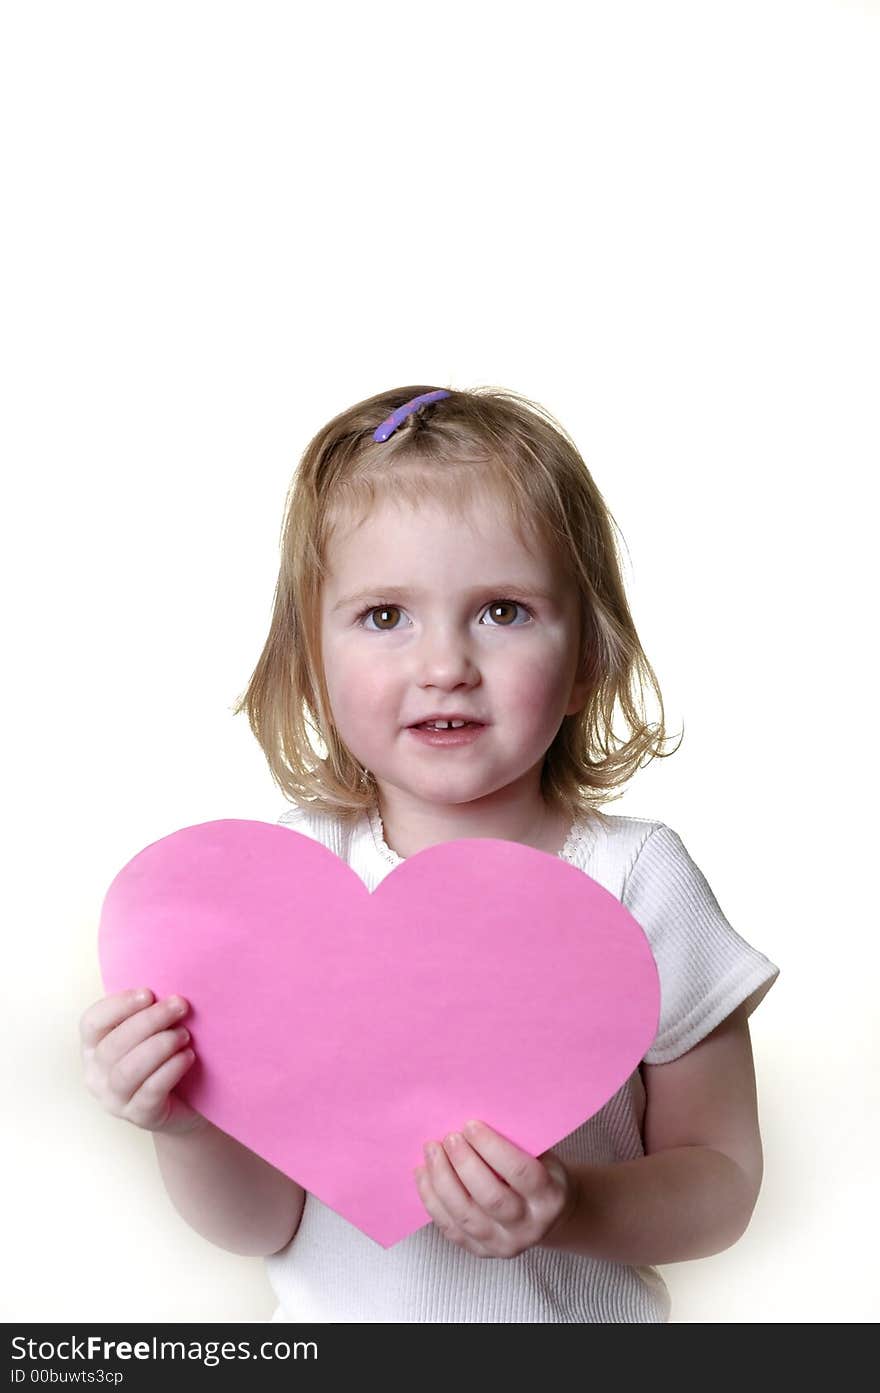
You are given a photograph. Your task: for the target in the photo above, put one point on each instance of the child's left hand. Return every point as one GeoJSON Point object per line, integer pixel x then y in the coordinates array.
{"type": "Point", "coordinates": [490, 1197]}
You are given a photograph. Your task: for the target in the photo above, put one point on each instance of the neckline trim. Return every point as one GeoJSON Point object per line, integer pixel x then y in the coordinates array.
{"type": "Point", "coordinates": [567, 852]}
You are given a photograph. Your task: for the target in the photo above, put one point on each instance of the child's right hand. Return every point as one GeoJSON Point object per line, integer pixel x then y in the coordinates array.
{"type": "Point", "coordinates": [133, 1054]}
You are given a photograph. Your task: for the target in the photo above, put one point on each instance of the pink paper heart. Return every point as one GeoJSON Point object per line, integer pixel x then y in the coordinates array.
{"type": "Point", "coordinates": [337, 1031]}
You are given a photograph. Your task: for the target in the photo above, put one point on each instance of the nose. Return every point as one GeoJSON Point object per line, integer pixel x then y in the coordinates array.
{"type": "Point", "coordinates": [444, 658]}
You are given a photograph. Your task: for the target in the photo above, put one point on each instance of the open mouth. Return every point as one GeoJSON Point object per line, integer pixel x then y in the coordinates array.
{"type": "Point", "coordinates": [459, 725]}
{"type": "Point", "coordinates": [452, 735]}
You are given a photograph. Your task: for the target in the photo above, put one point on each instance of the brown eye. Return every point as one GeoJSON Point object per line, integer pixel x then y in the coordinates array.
{"type": "Point", "coordinates": [502, 605]}
{"type": "Point", "coordinates": [383, 611]}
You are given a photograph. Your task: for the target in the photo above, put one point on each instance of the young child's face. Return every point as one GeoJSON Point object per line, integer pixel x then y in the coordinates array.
{"type": "Point", "coordinates": [410, 628]}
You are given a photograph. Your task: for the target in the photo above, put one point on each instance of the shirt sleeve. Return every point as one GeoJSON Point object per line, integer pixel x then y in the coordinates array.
{"type": "Point", "coordinates": [706, 969]}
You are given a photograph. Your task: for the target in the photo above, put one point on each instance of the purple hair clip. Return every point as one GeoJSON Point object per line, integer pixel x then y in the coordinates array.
{"type": "Point", "coordinates": [398, 417]}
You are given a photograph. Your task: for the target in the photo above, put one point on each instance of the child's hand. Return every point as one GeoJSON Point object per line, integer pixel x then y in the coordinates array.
{"type": "Point", "coordinates": [133, 1056]}
{"type": "Point", "coordinates": [495, 1215]}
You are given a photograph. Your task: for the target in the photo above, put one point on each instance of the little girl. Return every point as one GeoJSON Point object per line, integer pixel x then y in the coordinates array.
{"type": "Point", "coordinates": [419, 521]}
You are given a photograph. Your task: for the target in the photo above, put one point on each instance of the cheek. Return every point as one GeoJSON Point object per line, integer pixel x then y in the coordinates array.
{"type": "Point", "coordinates": [537, 688]}
{"type": "Point", "coordinates": [358, 687]}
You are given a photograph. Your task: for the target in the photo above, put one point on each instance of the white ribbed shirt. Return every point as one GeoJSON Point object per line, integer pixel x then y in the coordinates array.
{"type": "Point", "coordinates": [332, 1272]}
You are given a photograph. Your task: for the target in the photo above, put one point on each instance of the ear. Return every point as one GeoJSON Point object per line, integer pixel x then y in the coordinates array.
{"type": "Point", "coordinates": [579, 692]}
{"type": "Point", "coordinates": [577, 699]}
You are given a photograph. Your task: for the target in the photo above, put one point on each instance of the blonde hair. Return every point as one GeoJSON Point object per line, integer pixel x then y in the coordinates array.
{"type": "Point", "coordinates": [487, 440]}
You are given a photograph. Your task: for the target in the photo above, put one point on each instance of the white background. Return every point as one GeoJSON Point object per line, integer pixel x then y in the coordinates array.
{"type": "Point", "coordinates": [225, 223]}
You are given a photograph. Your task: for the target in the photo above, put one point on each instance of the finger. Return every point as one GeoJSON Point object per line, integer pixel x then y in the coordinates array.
{"type": "Point", "coordinates": [151, 1104]}
{"type": "Point", "coordinates": [438, 1212]}
{"type": "Point", "coordinates": [129, 1074]}
{"type": "Point", "coordinates": [140, 1025]}
{"type": "Point", "coordinates": [522, 1171]}
{"type": "Point", "coordinates": [555, 1165]}
{"type": "Point", "coordinates": [104, 1015]}
{"type": "Point", "coordinates": [493, 1195]}
{"type": "Point", "coordinates": [453, 1195]}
